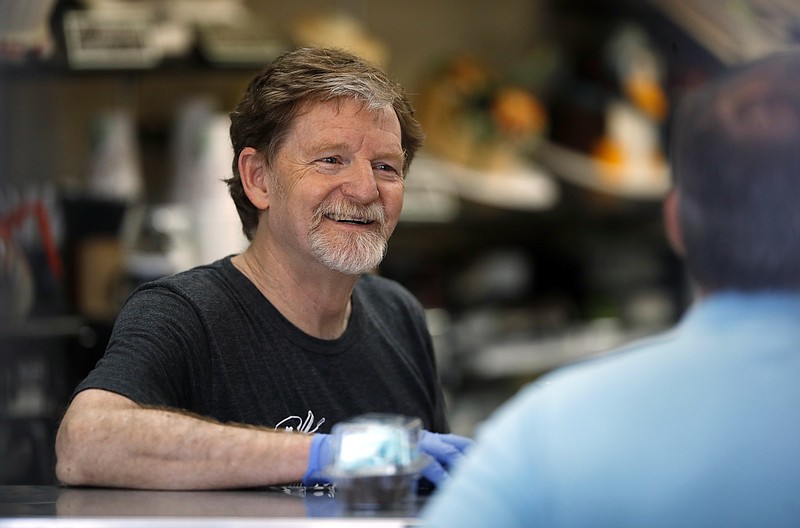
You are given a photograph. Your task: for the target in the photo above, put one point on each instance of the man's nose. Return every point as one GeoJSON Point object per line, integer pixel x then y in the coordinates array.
{"type": "Point", "coordinates": [360, 184]}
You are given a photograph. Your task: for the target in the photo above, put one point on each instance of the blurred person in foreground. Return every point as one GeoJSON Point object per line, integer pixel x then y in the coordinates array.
{"type": "Point", "coordinates": [698, 426]}
{"type": "Point", "coordinates": [230, 374]}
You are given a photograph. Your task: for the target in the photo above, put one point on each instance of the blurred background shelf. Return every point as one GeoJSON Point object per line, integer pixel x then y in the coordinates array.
{"type": "Point", "coordinates": [735, 31]}
{"type": "Point", "coordinates": [646, 183]}
{"type": "Point", "coordinates": [525, 187]}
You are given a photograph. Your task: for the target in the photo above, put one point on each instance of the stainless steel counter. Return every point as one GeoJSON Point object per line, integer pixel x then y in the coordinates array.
{"type": "Point", "coordinates": [34, 506]}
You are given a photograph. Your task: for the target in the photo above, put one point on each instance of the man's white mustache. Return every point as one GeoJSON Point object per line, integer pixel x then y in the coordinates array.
{"type": "Point", "coordinates": [373, 212]}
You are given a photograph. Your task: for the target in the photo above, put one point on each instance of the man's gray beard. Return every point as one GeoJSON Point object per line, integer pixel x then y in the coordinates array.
{"type": "Point", "coordinates": [359, 253]}
{"type": "Point", "coordinates": [351, 254]}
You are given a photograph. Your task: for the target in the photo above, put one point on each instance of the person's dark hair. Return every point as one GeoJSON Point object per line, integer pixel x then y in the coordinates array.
{"type": "Point", "coordinates": [275, 97]}
{"type": "Point", "coordinates": [736, 164]}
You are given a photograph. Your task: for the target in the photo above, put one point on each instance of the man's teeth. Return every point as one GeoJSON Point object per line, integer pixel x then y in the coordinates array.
{"type": "Point", "coordinates": [360, 221]}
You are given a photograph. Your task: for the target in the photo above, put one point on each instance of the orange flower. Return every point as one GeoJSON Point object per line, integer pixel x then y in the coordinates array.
{"type": "Point", "coordinates": [468, 73]}
{"type": "Point", "coordinates": [648, 96]}
{"type": "Point", "coordinates": [517, 112]}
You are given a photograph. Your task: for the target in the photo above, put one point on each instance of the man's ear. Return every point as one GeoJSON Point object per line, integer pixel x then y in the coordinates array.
{"type": "Point", "coordinates": [672, 223]}
{"type": "Point", "coordinates": [254, 174]}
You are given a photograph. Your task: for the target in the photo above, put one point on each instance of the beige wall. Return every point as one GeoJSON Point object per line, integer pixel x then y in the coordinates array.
{"type": "Point", "coordinates": [419, 31]}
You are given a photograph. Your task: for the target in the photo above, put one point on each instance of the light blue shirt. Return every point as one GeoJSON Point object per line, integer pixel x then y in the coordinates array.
{"type": "Point", "coordinates": [699, 426]}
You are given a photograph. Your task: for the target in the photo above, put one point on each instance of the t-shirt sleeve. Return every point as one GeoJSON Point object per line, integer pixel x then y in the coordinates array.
{"type": "Point", "coordinates": [156, 344]}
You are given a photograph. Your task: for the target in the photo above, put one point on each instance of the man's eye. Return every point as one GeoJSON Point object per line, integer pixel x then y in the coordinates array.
{"type": "Point", "coordinates": [329, 159]}
{"type": "Point", "coordinates": [385, 168]}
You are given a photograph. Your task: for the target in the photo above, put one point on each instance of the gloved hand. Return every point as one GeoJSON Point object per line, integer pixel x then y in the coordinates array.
{"type": "Point", "coordinates": [446, 450]}
{"type": "Point", "coordinates": [318, 458]}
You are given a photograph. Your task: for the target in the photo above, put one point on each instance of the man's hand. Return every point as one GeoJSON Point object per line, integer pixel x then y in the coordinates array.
{"type": "Point", "coordinates": [446, 450]}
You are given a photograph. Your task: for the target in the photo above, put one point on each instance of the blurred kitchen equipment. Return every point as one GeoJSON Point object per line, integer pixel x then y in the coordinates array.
{"type": "Point", "coordinates": [17, 287]}
{"type": "Point", "coordinates": [202, 154]}
{"type": "Point", "coordinates": [24, 28]}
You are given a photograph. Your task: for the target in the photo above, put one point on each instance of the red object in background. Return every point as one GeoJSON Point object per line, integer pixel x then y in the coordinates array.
{"type": "Point", "coordinates": [14, 219]}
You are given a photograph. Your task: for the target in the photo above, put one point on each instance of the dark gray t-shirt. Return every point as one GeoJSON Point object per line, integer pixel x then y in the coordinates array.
{"type": "Point", "coordinates": [206, 340]}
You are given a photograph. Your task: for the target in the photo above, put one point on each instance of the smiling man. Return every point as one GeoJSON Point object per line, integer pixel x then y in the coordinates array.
{"type": "Point", "coordinates": [232, 374]}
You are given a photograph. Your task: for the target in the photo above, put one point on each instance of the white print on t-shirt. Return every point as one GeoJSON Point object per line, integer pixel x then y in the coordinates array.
{"type": "Point", "coordinates": [306, 426]}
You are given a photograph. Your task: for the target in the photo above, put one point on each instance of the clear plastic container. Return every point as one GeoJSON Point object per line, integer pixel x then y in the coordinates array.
{"type": "Point", "coordinates": [376, 461]}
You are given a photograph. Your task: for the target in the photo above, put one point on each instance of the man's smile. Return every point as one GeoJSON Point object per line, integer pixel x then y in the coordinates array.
{"type": "Point", "coordinates": [348, 220]}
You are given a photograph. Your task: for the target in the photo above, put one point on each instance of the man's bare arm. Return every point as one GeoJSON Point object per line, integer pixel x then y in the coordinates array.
{"type": "Point", "coordinates": [108, 440]}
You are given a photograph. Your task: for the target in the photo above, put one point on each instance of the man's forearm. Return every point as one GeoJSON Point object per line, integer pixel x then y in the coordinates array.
{"type": "Point", "coordinates": [107, 440]}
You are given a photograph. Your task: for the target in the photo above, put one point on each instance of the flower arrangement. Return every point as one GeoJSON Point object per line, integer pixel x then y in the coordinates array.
{"type": "Point", "coordinates": [471, 116]}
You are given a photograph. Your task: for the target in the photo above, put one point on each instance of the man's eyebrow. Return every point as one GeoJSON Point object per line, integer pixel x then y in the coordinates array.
{"type": "Point", "coordinates": [397, 156]}
{"type": "Point", "coordinates": [323, 146]}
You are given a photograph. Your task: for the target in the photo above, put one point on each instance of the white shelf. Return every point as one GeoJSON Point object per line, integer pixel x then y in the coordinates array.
{"type": "Point", "coordinates": [524, 187]}
{"type": "Point", "coordinates": [528, 357]}
{"type": "Point", "coordinates": [585, 171]}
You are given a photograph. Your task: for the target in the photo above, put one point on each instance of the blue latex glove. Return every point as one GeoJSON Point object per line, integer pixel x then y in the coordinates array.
{"type": "Point", "coordinates": [446, 450]}
{"type": "Point", "coordinates": [318, 458]}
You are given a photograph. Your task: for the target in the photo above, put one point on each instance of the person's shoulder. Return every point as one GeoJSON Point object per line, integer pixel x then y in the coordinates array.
{"type": "Point", "coordinates": [201, 272]}
{"type": "Point", "coordinates": [199, 280]}
{"type": "Point", "coordinates": [617, 367]}
{"type": "Point", "coordinates": [373, 284]}
{"type": "Point", "coordinates": [388, 293]}
{"type": "Point", "coordinates": [560, 397]}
